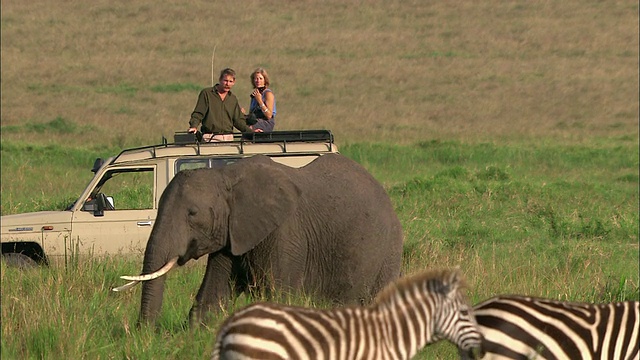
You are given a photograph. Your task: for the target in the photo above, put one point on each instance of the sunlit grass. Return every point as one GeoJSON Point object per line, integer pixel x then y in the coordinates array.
{"type": "Point", "coordinates": [394, 71]}
{"type": "Point", "coordinates": [505, 215]}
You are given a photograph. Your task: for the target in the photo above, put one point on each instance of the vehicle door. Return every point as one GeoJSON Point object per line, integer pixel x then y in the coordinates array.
{"type": "Point", "coordinates": [123, 222]}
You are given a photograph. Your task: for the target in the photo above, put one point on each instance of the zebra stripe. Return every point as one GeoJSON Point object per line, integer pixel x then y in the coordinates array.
{"type": "Point", "coordinates": [518, 327]}
{"type": "Point", "coordinates": [405, 317]}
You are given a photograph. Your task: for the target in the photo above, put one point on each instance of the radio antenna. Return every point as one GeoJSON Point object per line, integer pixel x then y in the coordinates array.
{"type": "Point", "coordinates": [213, 56]}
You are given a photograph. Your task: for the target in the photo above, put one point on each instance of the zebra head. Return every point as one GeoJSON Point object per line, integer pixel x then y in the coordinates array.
{"type": "Point", "coordinates": [469, 338]}
{"type": "Point", "coordinates": [455, 320]}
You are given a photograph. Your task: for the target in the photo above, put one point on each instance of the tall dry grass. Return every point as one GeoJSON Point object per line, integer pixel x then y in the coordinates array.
{"type": "Point", "coordinates": [397, 71]}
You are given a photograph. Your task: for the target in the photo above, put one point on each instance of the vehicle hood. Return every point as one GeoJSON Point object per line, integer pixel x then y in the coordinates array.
{"type": "Point", "coordinates": [35, 222]}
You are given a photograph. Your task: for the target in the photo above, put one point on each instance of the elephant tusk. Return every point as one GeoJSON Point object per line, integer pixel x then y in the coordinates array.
{"type": "Point", "coordinates": [126, 286]}
{"type": "Point", "coordinates": [163, 270]}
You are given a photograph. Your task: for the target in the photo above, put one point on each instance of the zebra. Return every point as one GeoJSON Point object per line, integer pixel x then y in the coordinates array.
{"type": "Point", "coordinates": [405, 316]}
{"type": "Point", "coordinates": [520, 327]}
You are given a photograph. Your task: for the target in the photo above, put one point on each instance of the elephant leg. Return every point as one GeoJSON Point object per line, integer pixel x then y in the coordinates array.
{"type": "Point", "coordinates": [215, 290]}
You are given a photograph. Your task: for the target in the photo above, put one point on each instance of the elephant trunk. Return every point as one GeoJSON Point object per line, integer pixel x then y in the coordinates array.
{"type": "Point", "coordinates": [153, 289]}
{"type": "Point", "coordinates": [151, 301]}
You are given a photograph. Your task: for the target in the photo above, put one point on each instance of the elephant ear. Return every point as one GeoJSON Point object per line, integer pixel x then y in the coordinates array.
{"type": "Point", "coordinates": [262, 198]}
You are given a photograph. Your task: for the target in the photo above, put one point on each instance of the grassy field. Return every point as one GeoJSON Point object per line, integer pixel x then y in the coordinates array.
{"type": "Point", "coordinates": [506, 134]}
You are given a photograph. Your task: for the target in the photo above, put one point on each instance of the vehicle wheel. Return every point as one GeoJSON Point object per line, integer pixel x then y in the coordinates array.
{"type": "Point", "coordinates": [18, 260]}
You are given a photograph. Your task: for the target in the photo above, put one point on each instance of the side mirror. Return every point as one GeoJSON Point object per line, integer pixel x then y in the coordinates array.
{"type": "Point", "coordinates": [103, 203]}
{"type": "Point", "coordinates": [100, 205]}
{"type": "Point", "coordinates": [110, 204]}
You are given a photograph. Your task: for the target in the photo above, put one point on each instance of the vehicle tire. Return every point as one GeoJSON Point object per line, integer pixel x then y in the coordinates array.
{"type": "Point", "coordinates": [18, 260]}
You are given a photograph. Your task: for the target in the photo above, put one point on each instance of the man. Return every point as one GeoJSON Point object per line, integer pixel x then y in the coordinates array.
{"type": "Point", "coordinates": [218, 110]}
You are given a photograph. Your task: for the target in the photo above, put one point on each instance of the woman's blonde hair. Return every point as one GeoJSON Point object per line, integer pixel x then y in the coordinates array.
{"type": "Point", "coordinates": [263, 72]}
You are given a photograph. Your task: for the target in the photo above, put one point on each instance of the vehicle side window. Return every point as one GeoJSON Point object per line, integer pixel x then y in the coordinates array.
{"type": "Point", "coordinates": [218, 163]}
{"type": "Point", "coordinates": [130, 189]}
{"type": "Point", "coordinates": [188, 164]}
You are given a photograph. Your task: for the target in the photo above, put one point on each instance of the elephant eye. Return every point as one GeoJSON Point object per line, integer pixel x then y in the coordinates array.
{"type": "Point", "coordinates": [193, 211]}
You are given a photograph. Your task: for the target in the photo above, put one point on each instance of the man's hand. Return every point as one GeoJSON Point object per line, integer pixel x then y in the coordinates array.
{"type": "Point", "coordinates": [193, 130]}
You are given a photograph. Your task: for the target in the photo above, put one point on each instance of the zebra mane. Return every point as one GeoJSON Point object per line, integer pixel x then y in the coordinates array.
{"type": "Point", "coordinates": [441, 281]}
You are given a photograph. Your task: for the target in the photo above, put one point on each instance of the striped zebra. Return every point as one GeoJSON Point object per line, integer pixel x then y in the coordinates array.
{"type": "Point", "coordinates": [518, 327]}
{"type": "Point", "coordinates": [405, 316]}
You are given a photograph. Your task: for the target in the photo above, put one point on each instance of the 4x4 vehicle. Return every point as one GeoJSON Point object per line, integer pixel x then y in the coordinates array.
{"type": "Point", "coordinates": [117, 209]}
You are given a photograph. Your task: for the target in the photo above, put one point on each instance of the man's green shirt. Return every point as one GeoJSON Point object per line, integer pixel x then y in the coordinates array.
{"type": "Point", "coordinates": [217, 116]}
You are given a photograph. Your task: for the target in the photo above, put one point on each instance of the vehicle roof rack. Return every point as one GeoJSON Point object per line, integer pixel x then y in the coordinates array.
{"type": "Point", "coordinates": [186, 138]}
{"type": "Point", "coordinates": [287, 136]}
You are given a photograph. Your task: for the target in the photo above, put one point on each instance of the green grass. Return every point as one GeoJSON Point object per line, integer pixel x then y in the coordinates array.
{"type": "Point", "coordinates": [170, 88]}
{"type": "Point", "coordinates": [549, 221]}
{"type": "Point", "coordinates": [44, 176]}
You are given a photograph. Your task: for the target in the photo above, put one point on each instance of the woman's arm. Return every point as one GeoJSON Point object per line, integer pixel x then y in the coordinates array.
{"type": "Point", "coordinates": [268, 104]}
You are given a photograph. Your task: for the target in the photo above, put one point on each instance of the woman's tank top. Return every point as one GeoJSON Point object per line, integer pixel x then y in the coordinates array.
{"type": "Point", "coordinates": [253, 107]}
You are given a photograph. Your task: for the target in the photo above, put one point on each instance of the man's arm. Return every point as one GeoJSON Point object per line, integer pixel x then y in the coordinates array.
{"type": "Point", "coordinates": [238, 120]}
{"type": "Point", "coordinates": [200, 111]}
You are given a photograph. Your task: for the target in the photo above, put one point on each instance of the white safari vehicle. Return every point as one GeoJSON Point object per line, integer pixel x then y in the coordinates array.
{"type": "Point", "coordinates": [116, 211]}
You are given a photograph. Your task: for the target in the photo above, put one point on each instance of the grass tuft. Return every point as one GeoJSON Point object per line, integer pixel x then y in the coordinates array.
{"type": "Point", "coordinates": [173, 88]}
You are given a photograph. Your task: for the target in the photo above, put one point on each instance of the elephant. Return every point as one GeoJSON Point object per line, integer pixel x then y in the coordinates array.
{"type": "Point", "coordinates": [327, 228]}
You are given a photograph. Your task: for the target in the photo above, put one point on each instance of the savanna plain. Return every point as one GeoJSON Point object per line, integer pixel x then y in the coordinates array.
{"type": "Point", "coordinates": [505, 132]}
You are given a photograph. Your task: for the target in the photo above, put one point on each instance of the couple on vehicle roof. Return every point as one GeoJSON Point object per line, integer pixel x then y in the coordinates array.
{"type": "Point", "coordinates": [219, 112]}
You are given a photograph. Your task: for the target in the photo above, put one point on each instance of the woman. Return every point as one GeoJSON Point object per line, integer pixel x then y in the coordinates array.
{"type": "Point", "coordinates": [263, 102]}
